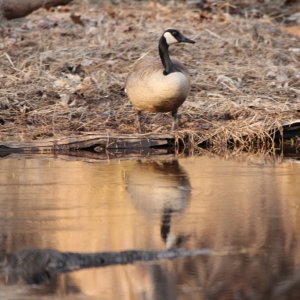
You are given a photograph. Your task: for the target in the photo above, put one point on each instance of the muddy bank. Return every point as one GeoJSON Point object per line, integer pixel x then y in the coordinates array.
{"type": "Point", "coordinates": [63, 72]}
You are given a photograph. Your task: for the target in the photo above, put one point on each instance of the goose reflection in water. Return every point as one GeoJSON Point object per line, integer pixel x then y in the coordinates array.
{"type": "Point", "coordinates": [160, 188]}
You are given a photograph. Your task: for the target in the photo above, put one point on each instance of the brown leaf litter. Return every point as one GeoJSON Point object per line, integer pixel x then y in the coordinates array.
{"type": "Point", "coordinates": [63, 72]}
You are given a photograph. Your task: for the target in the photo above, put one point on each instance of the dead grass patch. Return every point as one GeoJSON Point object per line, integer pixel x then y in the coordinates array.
{"type": "Point", "coordinates": [60, 78]}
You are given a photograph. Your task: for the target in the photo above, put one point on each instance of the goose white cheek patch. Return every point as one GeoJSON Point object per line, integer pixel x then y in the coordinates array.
{"type": "Point", "coordinates": [170, 38]}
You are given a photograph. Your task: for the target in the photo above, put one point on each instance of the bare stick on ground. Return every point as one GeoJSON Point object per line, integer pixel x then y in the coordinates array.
{"type": "Point", "coordinates": [19, 8]}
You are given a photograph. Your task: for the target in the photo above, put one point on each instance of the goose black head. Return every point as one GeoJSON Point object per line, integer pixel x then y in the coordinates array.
{"type": "Point", "coordinates": [173, 36]}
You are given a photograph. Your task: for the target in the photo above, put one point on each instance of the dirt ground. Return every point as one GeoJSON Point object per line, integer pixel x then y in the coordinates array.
{"type": "Point", "coordinates": [62, 71]}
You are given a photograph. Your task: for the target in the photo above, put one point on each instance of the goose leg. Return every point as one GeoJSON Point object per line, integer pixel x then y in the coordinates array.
{"type": "Point", "coordinates": [175, 120]}
{"type": "Point", "coordinates": [138, 120]}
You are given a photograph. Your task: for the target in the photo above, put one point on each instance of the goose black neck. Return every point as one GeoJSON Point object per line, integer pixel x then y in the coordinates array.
{"type": "Point", "coordinates": [163, 49]}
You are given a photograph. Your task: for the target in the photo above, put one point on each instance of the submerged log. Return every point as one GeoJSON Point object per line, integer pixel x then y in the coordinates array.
{"type": "Point", "coordinates": [91, 141]}
{"type": "Point", "coordinates": [36, 266]}
{"type": "Point", "coordinates": [11, 9]}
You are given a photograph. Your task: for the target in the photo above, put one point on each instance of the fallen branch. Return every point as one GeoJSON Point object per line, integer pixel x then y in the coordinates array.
{"type": "Point", "coordinates": [98, 142]}
{"type": "Point", "coordinates": [11, 9]}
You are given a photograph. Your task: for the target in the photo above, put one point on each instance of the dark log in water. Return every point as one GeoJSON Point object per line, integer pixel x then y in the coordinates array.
{"type": "Point", "coordinates": [91, 141]}
{"type": "Point", "coordinates": [35, 266]}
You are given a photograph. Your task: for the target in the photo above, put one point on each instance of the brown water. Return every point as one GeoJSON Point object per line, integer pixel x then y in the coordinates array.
{"type": "Point", "coordinates": [251, 206]}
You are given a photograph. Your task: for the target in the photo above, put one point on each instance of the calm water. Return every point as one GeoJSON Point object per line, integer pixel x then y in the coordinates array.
{"type": "Point", "coordinates": [251, 206]}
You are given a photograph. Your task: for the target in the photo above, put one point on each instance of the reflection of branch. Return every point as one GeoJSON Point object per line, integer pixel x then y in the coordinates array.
{"type": "Point", "coordinates": [39, 265]}
{"type": "Point", "coordinates": [19, 8]}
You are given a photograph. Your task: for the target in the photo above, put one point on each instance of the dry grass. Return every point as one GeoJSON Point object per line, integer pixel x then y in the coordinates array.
{"type": "Point", "coordinates": [60, 78]}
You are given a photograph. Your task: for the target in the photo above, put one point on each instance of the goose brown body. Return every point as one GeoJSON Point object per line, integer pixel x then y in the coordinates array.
{"type": "Point", "coordinates": [148, 89]}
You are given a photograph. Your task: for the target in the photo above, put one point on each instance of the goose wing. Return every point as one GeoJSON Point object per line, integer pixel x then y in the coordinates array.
{"type": "Point", "coordinates": [148, 65]}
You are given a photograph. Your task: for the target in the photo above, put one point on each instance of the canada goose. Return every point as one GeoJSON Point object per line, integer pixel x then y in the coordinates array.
{"type": "Point", "coordinates": [159, 85]}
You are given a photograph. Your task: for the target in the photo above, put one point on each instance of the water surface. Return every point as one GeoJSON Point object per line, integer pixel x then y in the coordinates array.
{"type": "Point", "coordinates": [250, 206]}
